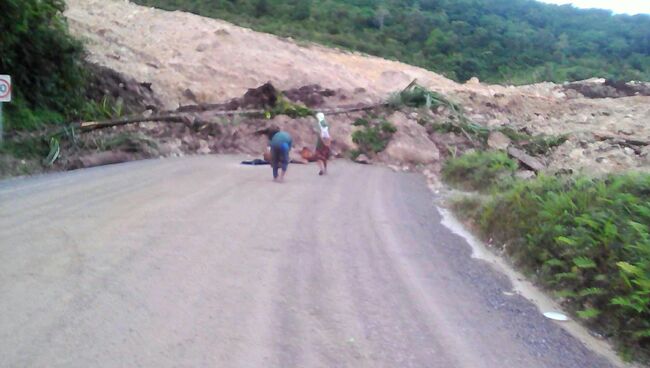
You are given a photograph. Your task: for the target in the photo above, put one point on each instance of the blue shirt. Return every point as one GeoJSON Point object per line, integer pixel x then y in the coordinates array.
{"type": "Point", "coordinates": [281, 139]}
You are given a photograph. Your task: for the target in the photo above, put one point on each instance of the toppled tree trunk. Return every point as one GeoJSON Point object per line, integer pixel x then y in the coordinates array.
{"type": "Point", "coordinates": [191, 118]}
{"type": "Point", "coordinates": [101, 159]}
{"type": "Point", "coordinates": [602, 136]}
{"type": "Point", "coordinates": [526, 159]}
{"type": "Point", "coordinates": [93, 125]}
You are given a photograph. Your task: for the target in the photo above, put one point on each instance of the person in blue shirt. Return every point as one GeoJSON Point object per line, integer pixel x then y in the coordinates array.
{"type": "Point", "coordinates": [281, 143]}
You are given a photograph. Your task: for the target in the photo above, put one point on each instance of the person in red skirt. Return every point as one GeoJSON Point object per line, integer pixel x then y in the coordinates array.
{"type": "Point", "coordinates": [322, 153]}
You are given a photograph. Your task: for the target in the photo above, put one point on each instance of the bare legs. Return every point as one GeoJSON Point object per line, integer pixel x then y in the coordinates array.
{"type": "Point", "coordinates": [322, 165]}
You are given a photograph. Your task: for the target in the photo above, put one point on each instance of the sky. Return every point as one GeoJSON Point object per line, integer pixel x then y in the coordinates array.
{"type": "Point", "coordinates": [617, 6]}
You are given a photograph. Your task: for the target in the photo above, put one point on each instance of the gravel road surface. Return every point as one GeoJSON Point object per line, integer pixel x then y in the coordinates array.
{"type": "Point", "coordinates": [201, 262]}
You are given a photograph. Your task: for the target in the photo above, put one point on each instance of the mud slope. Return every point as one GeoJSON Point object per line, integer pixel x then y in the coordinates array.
{"type": "Point", "coordinates": [216, 60]}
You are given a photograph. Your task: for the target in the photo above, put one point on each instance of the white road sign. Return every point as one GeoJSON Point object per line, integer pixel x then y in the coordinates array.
{"type": "Point", "coordinates": [5, 88]}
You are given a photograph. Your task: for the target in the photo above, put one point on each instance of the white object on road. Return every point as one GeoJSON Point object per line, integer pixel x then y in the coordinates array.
{"type": "Point", "coordinates": [556, 316]}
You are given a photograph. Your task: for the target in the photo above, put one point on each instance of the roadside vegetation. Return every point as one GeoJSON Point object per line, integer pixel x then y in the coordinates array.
{"type": "Point", "coordinates": [586, 239]}
{"type": "Point", "coordinates": [50, 84]}
{"type": "Point", "coordinates": [502, 41]}
{"type": "Point", "coordinates": [45, 63]}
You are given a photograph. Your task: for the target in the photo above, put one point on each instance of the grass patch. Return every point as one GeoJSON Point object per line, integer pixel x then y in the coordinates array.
{"type": "Point", "coordinates": [586, 239]}
{"type": "Point", "coordinates": [475, 131]}
{"type": "Point", "coordinates": [31, 148]}
{"type": "Point", "coordinates": [286, 107]}
{"type": "Point", "coordinates": [373, 137]}
{"type": "Point", "coordinates": [479, 170]}
{"type": "Point", "coordinates": [107, 108]}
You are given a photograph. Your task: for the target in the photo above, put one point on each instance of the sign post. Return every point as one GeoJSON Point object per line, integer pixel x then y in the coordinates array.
{"type": "Point", "coordinates": [5, 96]}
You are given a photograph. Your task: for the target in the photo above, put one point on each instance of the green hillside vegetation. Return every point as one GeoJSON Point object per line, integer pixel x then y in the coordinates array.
{"type": "Point", "coordinates": [513, 41]}
{"type": "Point", "coordinates": [44, 62]}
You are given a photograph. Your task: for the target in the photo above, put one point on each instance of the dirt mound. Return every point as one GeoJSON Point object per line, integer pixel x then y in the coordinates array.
{"type": "Point", "coordinates": [262, 97]}
{"type": "Point", "coordinates": [311, 96]}
{"type": "Point", "coordinates": [134, 96]}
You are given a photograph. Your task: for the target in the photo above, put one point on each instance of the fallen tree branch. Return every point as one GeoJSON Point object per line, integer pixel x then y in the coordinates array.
{"type": "Point", "coordinates": [173, 117]}
{"type": "Point", "coordinates": [94, 125]}
{"type": "Point", "coordinates": [192, 118]}
{"type": "Point", "coordinates": [602, 136]}
{"type": "Point", "coordinates": [336, 111]}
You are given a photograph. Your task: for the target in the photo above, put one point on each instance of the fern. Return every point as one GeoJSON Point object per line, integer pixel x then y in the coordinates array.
{"type": "Point", "coordinates": [566, 241]}
{"type": "Point", "coordinates": [584, 262]}
{"type": "Point", "coordinates": [593, 291]}
{"type": "Point", "coordinates": [566, 276]}
{"type": "Point", "coordinates": [555, 263]}
{"type": "Point", "coordinates": [587, 239]}
{"type": "Point", "coordinates": [630, 269]}
{"type": "Point", "coordinates": [566, 294]}
{"type": "Point", "coordinates": [588, 313]}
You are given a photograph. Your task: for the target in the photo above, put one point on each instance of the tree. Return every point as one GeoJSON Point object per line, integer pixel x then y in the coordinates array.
{"type": "Point", "coordinates": [261, 8]}
{"type": "Point", "coordinates": [380, 16]}
{"type": "Point", "coordinates": [561, 48]}
{"type": "Point", "coordinates": [301, 10]}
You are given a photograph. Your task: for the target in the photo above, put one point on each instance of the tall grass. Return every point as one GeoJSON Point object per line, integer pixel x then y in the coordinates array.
{"type": "Point", "coordinates": [479, 170]}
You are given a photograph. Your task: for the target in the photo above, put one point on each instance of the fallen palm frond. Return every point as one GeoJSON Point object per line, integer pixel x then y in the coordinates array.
{"type": "Point", "coordinates": [55, 151]}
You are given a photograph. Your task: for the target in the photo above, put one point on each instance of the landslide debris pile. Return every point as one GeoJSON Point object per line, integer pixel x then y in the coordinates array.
{"type": "Point", "coordinates": [191, 60]}
{"type": "Point", "coordinates": [183, 63]}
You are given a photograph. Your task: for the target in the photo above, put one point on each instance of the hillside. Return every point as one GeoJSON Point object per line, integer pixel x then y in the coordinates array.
{"type": "Point", "coordinates": [195, 59]}
{"type": "Point", "coordinates": [512, 41]}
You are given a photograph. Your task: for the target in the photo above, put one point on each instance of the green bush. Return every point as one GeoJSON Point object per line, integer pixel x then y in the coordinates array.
{"type": "Point", "coordinates": [374, 137]}
{"type": "Point", "coordinates": [588, 240]}
{"type": "Point", "coordinates": [286, 107]}
{"type": "Point", "coordinates": [33, 148]}
{"type": "Point", "coordinates": [417, 96]}
{"type": "Point", "coordinates": [480, 170]}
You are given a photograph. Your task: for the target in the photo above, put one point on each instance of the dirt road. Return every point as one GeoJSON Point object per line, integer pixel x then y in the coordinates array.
{"type": "Point", "coordinates": [200, 262]}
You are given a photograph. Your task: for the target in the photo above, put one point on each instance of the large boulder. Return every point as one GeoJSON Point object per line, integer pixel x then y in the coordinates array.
{"type": "Point", "coordinates": [411, 143]}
